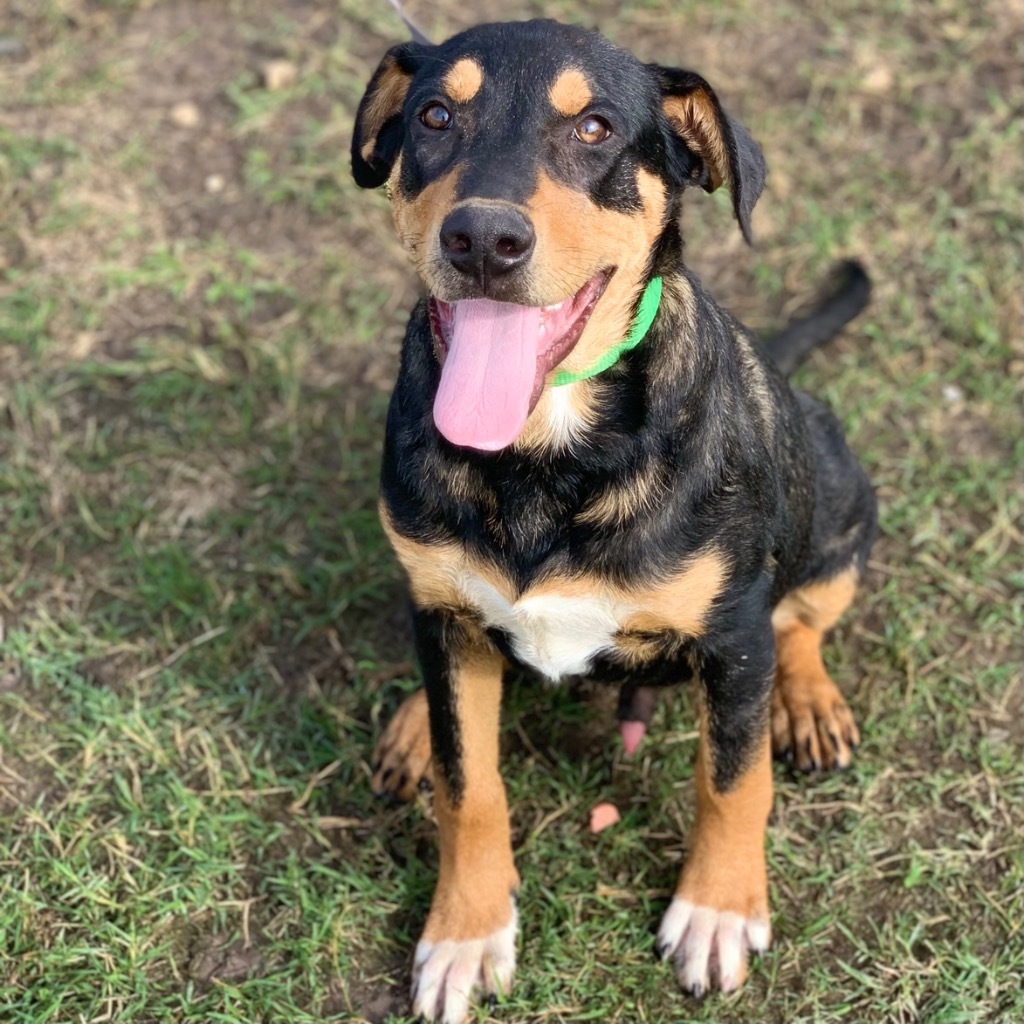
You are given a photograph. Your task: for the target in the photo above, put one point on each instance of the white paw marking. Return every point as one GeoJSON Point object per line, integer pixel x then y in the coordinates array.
{"type": "Point", "coordinates": [698, 938]}
{"type": "Point", "coordinates": [446, 974]}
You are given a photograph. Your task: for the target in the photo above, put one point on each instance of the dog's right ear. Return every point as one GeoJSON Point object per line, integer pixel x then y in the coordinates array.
{"type": "Point", "coordinates": [377, 138]}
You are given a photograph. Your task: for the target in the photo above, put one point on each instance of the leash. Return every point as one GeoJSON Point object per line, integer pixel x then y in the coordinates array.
{"type": "Point", "coordinates": [645, 314]}
{"type": "Point", "coordinates": [414, 30]}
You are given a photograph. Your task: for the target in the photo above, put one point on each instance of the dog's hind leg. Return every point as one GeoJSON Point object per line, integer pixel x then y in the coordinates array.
{"type": "Point", "coordinates": [811, 722]}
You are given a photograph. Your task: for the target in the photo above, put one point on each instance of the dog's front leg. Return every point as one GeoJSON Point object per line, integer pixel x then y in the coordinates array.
{"type": "Point", "coordinates": [720, 909]}
{"type": "Point", "coordinates": [469, 941]}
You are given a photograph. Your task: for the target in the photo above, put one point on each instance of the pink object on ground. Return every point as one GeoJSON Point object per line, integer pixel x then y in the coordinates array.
{"type": "Point", "coordinates": [604, 816]}
{"type": "Point", "coordinates": [632, 733]}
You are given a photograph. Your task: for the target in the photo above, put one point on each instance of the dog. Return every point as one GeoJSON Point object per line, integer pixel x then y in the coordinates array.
{"type": "Point", "coordinates": [590, 469]}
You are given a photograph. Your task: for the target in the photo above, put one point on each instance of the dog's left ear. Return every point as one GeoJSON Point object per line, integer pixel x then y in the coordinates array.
{"type": "Point", "coordinates": [379, 130]}
{"type": "Point", "coordinates": [723, 148]}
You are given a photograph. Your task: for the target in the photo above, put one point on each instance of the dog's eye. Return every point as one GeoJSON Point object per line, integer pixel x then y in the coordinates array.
{"type": "Point", "coordinates": [437, 117]}
{"type": "Point", "coordinates": [592, 130]}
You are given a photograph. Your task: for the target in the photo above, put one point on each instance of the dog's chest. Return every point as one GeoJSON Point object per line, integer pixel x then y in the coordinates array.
{"type": "Point", "coordinates": [558, 634]}
{"type": "Point", "coordinates": [564, 622]}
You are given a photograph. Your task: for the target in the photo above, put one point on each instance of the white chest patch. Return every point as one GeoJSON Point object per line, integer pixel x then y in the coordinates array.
{"type": "Point", "coordinates": [564, 421]}
{"type": "Point", "coordinates": [558, 636]}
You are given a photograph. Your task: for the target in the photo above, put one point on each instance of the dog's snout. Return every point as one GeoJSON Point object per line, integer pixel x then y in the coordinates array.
{"type": "Point", "coordinates": [486, 241]}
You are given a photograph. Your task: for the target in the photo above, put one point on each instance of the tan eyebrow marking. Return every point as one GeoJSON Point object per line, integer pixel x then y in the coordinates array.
{"type": "Point", "coordinates": [463, 79]}
{"type": "Point", "coordinates": [570, 92]}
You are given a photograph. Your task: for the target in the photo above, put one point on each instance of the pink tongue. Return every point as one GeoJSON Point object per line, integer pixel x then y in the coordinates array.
{"type": "Point", "coordinates": [489, 374]}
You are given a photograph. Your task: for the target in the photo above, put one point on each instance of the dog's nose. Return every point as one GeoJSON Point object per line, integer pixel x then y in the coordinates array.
{"type": "Point", "coordinates": [486, 241]}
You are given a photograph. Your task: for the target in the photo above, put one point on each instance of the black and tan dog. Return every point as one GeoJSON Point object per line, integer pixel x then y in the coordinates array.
{"type": "Point", "coordinates": [591, 470]}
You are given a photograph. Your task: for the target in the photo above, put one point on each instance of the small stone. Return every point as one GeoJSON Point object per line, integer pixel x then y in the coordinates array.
{"type": "Point", "coordinates": [878, 80]}
{"type": "Point", "coordinates": [85, 342]}
{"type": "Point", "coordinates": [215, 183]}
{"type": "Point", "coordinates": [952, 393]}
{"type": "Point", "coordinates": [186, 114]}
{"type": "Point", "coordinates": [279, 74]}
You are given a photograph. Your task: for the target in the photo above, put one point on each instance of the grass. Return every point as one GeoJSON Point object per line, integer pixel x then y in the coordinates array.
{"type": "Point", "coordinates": [202, 629]}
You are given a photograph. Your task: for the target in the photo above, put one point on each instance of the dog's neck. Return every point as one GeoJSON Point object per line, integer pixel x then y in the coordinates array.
{"type": "Point", "coordinates": [647, 310]}
{"type": "Point", "coordinates": [666, 365]}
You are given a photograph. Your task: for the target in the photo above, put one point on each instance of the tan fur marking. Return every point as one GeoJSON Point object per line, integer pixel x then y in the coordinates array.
{"type": "Point", "coordinates": [619, 504]}
{"type": "Point", "coordinates": [818, 605]}
{"type": "Point", "coordinates": [462, 81]}
{"type": "Point", "coordinates": [726, 868]}
{"type": "Point", "coordinates": [418, 220]}
{"type": "Point", "coordinates": [477, 873]}
{"type": "Point", "coordinates": [386, 101]}
{"type": "Point", "coordinates": [570, 93]}
{"type": "Point", "coordinates": [576, 238]}
{"type": "Point", "coordinates": [693, 116]}
{"type": "Point", "coordinates": [434, 569]}
{"type": "Point", "coordinates": [635, 649]}
{"type": "Point", "coordinates": [682, 602]}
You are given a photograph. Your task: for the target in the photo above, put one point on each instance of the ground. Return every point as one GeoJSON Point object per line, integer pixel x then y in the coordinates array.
{"type": "Point", "coordinates": [202, 629]}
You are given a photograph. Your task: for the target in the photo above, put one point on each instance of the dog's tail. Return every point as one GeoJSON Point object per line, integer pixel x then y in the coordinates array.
{"type": "Point", "coordinates": [847, 293]}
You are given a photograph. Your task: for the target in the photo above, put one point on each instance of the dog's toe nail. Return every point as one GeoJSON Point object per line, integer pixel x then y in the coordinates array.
{"type": "Point", "coordinates": [697, 991]}
{"type": "Point", "coordinates": [424, 785]}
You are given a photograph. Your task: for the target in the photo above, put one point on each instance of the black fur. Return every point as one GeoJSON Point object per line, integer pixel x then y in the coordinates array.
{"type": "Point", "coordinates": [438, 639]}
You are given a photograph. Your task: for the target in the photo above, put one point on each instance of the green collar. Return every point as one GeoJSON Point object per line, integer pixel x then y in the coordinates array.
{"type": "Point", "coordinates": [645, 314]}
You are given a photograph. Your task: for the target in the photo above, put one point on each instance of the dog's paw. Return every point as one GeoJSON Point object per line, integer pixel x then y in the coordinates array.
{"type": "Point", "coordinates": [401, 759]}
{"type": "Point", "coordinates": [812, 725]}
{"type": "Point", "coordinates": [709, 947]}
{"type": "Point", "coordinates": [447, 974]}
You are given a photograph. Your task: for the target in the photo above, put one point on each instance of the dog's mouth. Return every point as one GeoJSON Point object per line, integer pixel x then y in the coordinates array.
{"type": "Point", "coordinates": [494, 357]}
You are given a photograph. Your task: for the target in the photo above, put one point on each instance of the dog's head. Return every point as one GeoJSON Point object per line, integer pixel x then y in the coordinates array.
{"type": "Point", "coordinates": [533, 167]}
